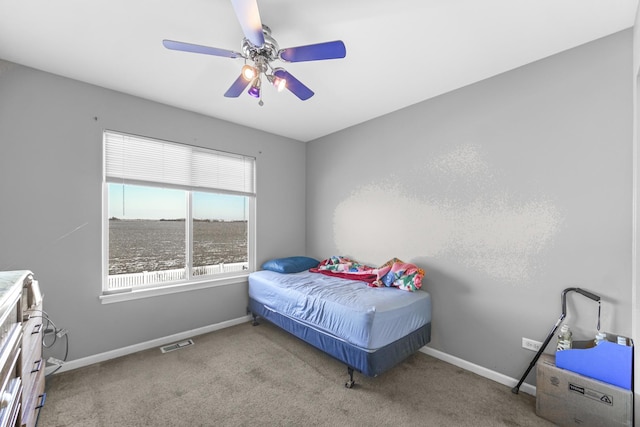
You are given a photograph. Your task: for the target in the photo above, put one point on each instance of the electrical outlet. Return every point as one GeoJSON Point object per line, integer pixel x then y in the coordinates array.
{"type": "Point", "coordinates": [531, 344]}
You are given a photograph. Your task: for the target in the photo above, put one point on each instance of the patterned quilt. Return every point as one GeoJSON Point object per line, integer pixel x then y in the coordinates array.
{"type": "Point", "coordinates": [393, 273]}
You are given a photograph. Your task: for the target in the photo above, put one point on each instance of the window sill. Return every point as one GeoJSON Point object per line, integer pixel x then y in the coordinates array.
{"type": "Point", "coordinates": [172, 289]}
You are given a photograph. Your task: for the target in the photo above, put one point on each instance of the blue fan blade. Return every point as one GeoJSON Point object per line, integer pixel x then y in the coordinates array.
{"type": "Point", "coordinates": [294, 85]}
{"type": "Point", "coordinates": [249, 18]}
{"type": "Point", "coordinates": [314, 52]}
{"type": "Point", "coordinates": [237, 87]}
{"type": "Point", "coordinates": [188, 47]}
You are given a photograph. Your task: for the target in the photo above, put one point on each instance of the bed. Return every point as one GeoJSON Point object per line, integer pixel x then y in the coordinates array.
{"type": "Point", "coordinates": [370, 329]}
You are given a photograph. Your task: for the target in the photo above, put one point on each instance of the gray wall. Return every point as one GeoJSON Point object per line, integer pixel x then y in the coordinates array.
{"type": "Point", "coordinates": [506, 191]}
{"type": "Point", "coordinates": [636, 219]}
{"type": "Point", "coordinates": [51, 203]}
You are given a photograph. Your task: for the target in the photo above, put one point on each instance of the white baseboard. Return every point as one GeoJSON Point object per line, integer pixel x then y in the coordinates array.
{"type": "Point", "coordinates": [477, 369]}
{"type": "Point", "coordinates": [102, 357]}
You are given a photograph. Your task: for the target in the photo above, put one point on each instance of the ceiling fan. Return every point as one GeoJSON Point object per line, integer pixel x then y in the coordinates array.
{"type": "Point", "coordinates": [259, 50]}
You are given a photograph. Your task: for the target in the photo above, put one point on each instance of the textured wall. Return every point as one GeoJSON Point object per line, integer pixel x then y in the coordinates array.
{"type": "Point", "coordinates": [480, 221]}
{"type": "Point", "coordinates": [506, 191]}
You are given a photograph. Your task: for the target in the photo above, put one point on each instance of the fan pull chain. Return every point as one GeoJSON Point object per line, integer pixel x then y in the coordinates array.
{"type": "Point", "coordinates": [599, 308]}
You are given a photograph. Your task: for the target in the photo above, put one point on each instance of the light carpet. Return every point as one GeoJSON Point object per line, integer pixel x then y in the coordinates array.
{"type": "Point", "coordinates": [247, 376]}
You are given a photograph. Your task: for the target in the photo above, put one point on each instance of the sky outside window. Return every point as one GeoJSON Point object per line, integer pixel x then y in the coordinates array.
{"type": "Point", "coordinates": [140, 202]}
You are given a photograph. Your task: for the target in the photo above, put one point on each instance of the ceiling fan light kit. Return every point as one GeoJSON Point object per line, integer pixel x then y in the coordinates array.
{"type": "Point", "coordinates": [248, 72]}
{"type": "Point", "coordinates": [261, 49]}
{"type": "Point", "coordinates": [254, 90]}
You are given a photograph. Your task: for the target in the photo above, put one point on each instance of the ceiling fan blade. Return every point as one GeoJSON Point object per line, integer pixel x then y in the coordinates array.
{"type": "Point", "coordinates": [237, 87]}
{"type": "Point", "coordinates": [294, 85]}
{"type": "Point", "coordinates": [188, 47]}
{"type": "Point", "coordinates": [314, 52]}
{"type": "Point", "coordinates": [249, 18]}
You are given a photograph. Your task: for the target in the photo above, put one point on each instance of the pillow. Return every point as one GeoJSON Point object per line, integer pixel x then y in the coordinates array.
{"type": "Point", "coordinates": [293, 264]}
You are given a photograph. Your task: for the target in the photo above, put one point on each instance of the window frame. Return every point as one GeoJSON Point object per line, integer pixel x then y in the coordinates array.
{"type": "Point", "coordinates": [109, 295]}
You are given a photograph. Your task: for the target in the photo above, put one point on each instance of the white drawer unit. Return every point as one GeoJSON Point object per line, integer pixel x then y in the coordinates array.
{"type": "Point", "coordinates": [21, 365]}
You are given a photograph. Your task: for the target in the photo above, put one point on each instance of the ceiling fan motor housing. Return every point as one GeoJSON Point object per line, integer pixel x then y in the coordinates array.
{"type": "Point", "coordinates": [261, 54]}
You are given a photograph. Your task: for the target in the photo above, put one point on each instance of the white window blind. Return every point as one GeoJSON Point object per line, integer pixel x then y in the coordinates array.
{"type": "Point", "coordinates": [138, 160]}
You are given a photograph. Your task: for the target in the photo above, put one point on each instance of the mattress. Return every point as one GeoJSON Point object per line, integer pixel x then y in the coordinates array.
{"type": "Point", "coordinates": [366, 317]}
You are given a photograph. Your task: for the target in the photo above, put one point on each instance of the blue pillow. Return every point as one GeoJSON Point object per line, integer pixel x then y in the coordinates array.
{"type": "Point", "coordinates": [293, 264]}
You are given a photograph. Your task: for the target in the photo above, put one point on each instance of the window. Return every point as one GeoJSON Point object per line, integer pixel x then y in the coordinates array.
{"type": "Point", "coordinates": [174, 214]}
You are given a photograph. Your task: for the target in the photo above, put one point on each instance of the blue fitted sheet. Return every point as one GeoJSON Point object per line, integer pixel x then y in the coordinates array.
{"type": "Point", "coordinates": [369, 318]}
{"type": "Point", "coordinates": [370, 362]}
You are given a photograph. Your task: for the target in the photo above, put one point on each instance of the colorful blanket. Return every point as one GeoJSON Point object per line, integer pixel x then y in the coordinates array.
{"type": "Point", "coordinates": [394, 273]}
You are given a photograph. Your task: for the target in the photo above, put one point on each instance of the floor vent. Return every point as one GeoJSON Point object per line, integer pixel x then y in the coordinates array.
{"type": "Point", "coordinates": [176, 346]}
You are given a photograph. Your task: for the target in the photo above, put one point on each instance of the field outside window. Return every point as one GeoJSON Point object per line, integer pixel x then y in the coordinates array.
{"type": "Point", "coordinates": [159, 236]}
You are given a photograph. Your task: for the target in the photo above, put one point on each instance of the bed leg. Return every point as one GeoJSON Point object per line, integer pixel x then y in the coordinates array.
{"type": "Point", "coordinates": [255, 320]}
{"type": "Point", "coordinates": [351, 382]}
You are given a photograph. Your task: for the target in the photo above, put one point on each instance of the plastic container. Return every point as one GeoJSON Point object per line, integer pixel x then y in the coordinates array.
{"type": "Point", "coordinates": [600, 336]}
{"type": "Point", "coordinates": [608, 361]}
{"type": "Point", "coordinates": [565, 338]}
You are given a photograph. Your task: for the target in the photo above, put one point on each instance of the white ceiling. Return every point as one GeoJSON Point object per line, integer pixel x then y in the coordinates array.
{"type": "Point", "coordinates": [399, 52]}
